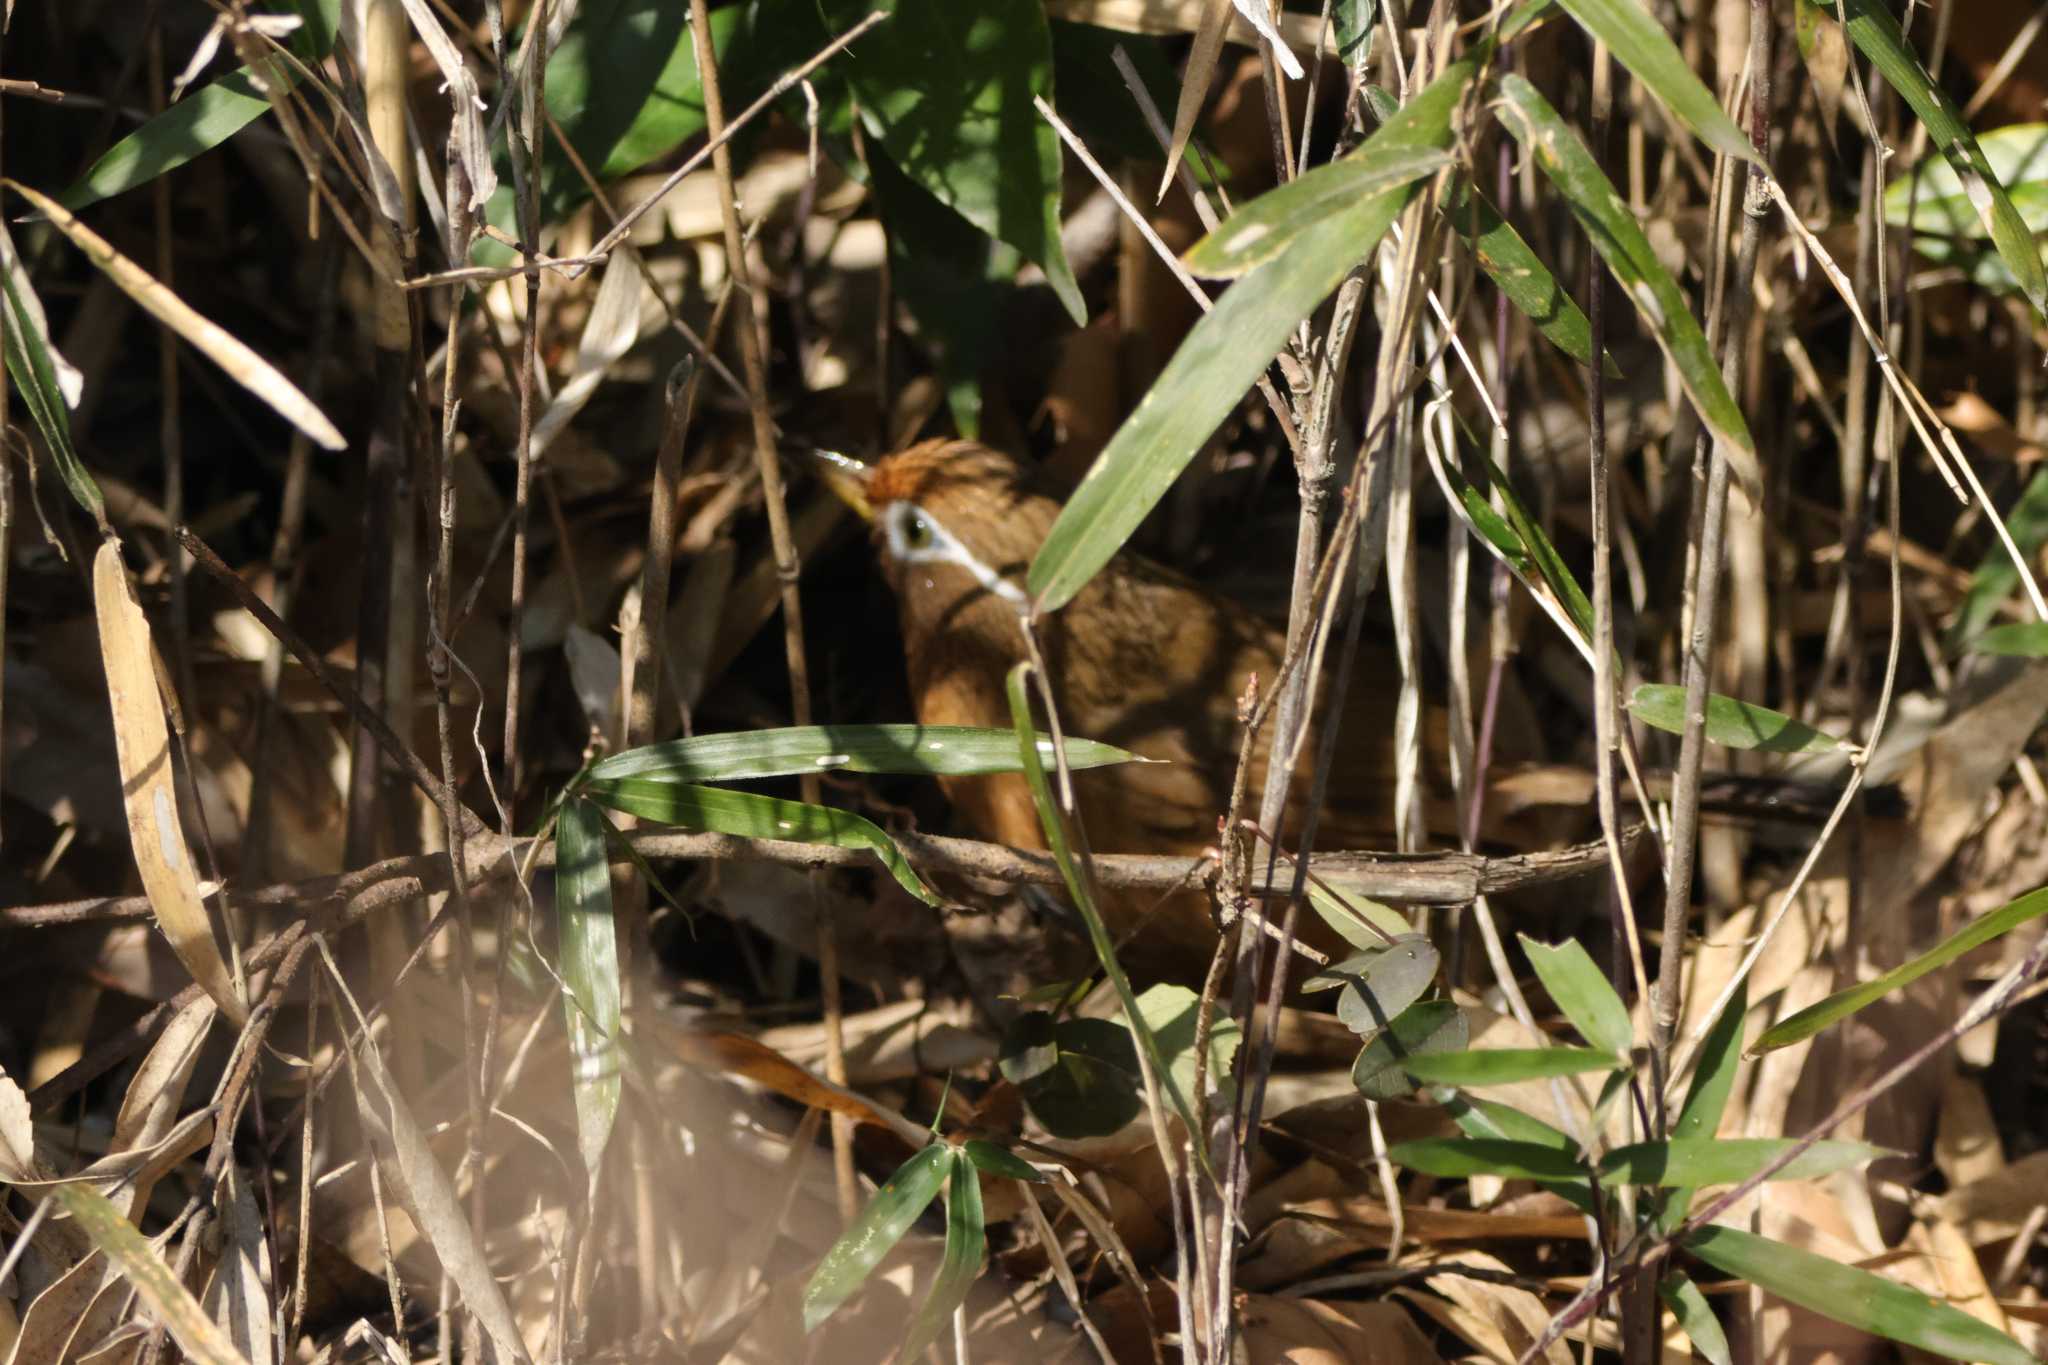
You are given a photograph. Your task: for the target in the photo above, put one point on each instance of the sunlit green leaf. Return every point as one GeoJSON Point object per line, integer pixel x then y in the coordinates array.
{"type": "Point", "coordinates": [34, 370]}
{"type": "Point", "coordinates": [1426, 1026]}
{"type": "Point", "coordinates": [1504, 1065]}
{"type": "Point", "coordinates": [1844, 1003]}
{"type": "Point", "coordinates": [1518, 272]}
{"type": "Point", "coordinates": [1735, 724]}
{"type": "Point", "coordinates": [1271, 223]}
{"type": "Point", "coordinates": [995, 1160]}
{"type": "Point", "coordinates": [1640, 43]}
{"type": "Point", "coordinates": [1172, 1012]}
{"type": "Point", "coordinates": [966, 1240]}
{"type": "Point", "coordinates": [1686, 1163]}
{"type": "Point", "coordinates": [1582, 992]}
{"type": "Point", "coordinates": [880, 1226]}
{"type": "Point", "coordinates": [2022, 640]}
{"type": "Point", "coordinates": [1457, 1158]}
{"type": "Point", "coordinates": [590, 973]}
{"type": "Point", "coordinates": [1696, 1318]}
{"type": "Point", "coordinates": [934, 750]}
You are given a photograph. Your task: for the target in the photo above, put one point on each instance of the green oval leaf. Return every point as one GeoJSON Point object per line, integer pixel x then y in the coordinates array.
{"type": "Point", "coordinates": [2020, 640]}
{"type": "Point", "coordinates": [1224, 355]}
{"type": "Point", "coordinates": [1582, 992]}
{"type": "Point", "coordinates": [1735, 724]}
{"type": "Point", "coordinates": [966, 1239]}
{"type": "Point", "coordinates": [590, 973]}
{"type": "Point", "coordinates": [1080, 1076]}
{"type": "Point", "coordinates": [755, 817]}
{"type": "Point", "coordinates": [1172, 1013]}
{"type": "Point", "coordinates": [995, 1160]}
{"type": "Point", "coordinates": [1389, 982]}
{"type": "Point", "coordinates": [1460, 1157]}
{"type": "Point", "coordinates": [1504, 1065]}
{"type": "Point", "coordinates": [1844, 1003]}
{"type": "Point", "coordinates": [1687, 1163]}
{"type": "Point", "coordinates": [930, 750]}
{"type": "Point", "coordinates": [880, 1226]}
{"type": "Point", "coordinates": [1618, 237]}
{"type": "Point", "coordinates": [1427, 1026]}
{"type": "Point", "coordinates": [1867, 1302]}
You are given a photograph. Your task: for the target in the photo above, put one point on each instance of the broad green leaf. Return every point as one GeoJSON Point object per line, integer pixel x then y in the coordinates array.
{"type": "Point", "coordinates": [1696, 1318]}
{"type": "Point", "coordinates": [1714, 1077]}
{"type": "Point", "coordinates": [1996, 575]}
{"type": "Point", "coordinates": [204, 118]}
{"type": "Point", "coordinates": [1877, 36]}
{"type": "Point", "coordinates": [1867, 1302]}
{"type": "Point", "coordinates": [1930, 198]}
{"type": "Point", "coordinates": [1224, 355]}
{"type": "Point", "coordinates": [590, 973]}
{"type": "Point", "coordinates": [1687, 1163]}
{"type": "Point", "coordinates": [1358, 919]}
{"type": "Point", "coordinates": [755, 817]}
{"type": "Point", "coordinates": [1734, 724]}
{"type": "Point", "coordinates": [1425, 1026]}
{"type": "Point", "coordinates": [933, 750]}
{"type": "Point", "coordinates": [1492, 1120]}
{"type": "Point", "coordinates": [1055, 825]}
{"type": "Point", "coordinates": [1844, 1003]}
{"type": "Point", "coordinates": [1640, 43]}
{"type": "Point", "coordinates": [30, 362]}
{"type": "Point", "coordinates": [1582, 992]}
{"type": "Point", "coordinates": [1273, 222]}
{"type": "Point", "coordinates": [1080, 1076]}
{"type": "Point", "coordinates": [128, 1251]}
{"type": "Point", "coordinates": [966, 1240]}
{"type": "Point", "coordinates": [1614, 232]}
{"type": "Point", "coordinates": [1518, 272]}
{"type": "Point", "coordinates": [995, 1160]}
{"type": "Point", "coordinates": [1505, 1065]}
{"type": "Point", "coordinates": [1383, 984]}
{"type": "Point", "coordinates": [1458, 1158]}
{"type": "Point", "coordinates": [1172, 1012]}
{"type": "Point", "coordinates": [2022, 640]}
{"type": "Point", "coordinates": [947, 89]}
{"type": "Point", "coordinates": [880, 1226]}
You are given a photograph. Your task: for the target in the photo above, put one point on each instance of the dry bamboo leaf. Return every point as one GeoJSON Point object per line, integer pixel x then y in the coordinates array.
{"type": "Point", "coordinates": [1966, 1144]}
{"type": "Point", "coordinates": [1502, 1321]}
{"type": "Point", "coordinates": [609, 332]}
{"type": "Point", "coordinates": [139, 1264]}
{"type": "Point", "coordinates": [1195, 81]}
{"type": "Point", "coordinates": [149, 1109]}
{"type": "Point", "coordinates": [1283, 1331]}
{"type": "Point", "coordinates": [429, 1198]}
{"type": "Point", "coordinates": [47, 1326]}
{"type": "Point", "coordinates": [1993, 1207]}
{"type": "Point", "coordinates": [143, 745]}
{"type": "Point", "coordinates": [238, 1297]}
{"type": "Point", "coordinates": [243, 365]}
{"type": "Point", "coordinates": [17, 1133]}
{"type": "Point", "coordinates": [739, 1055]}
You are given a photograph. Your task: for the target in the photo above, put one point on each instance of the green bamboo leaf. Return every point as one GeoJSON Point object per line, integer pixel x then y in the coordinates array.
{"type": "Point", "coordinates": [1687, 1163]}
{"type": "Point", "coordinates": [1696, 1318]}
{"type": "Point", "coordinates": [1457, 1158]}
{"type": "Point", "coordinates": [1640, 43]}
{"type": "Point", "coordinates": [127, 1249]}
{"type": "Point", "coordinates": [966, 1240]}
{"type": "Point", "coordinates": [2020, 640]}
{"type": "Point", "coordinates": [1492, 1120]}
{"type": "Point", "coordinates": [1518, 272]}
{"type": "Point", "coordinates": [1225, 354]}
{"type": "Point", "coordinates": [1425, 1026]}
{"type": "Point", "coordinates": [1735, 724]}
{"type": "Point", "coordinates": [1931, 198]}
{"type": "Point", "coordinates": [590, 973]}
{"type": "Point", "coordinates": [1271, 223]}
{"type": "Point", "coordinates": [204, 118]}
{"type": "Point", "coordinates": [1616, 235]}
{"type": "Point", "coordinates": [29, 360]}
{"type": "Point", "coordinates": [1055, 825]}
{"type": "Point", "coordinates": [880, 1226]}
{"type": "Point", "coordinates": [1505, 1065]}
{"type": "Point", "coordinates": [931, 750]}
{"type": "Point", "coordinates": [1582, 992]}
{"type": "Point", "coordinates": [1844, 1003]}
{"type": "Point", "coordinates": [1714, 1077]}
{"type": "Point", "coordinates": [995, 1160]}
{"type": "Point", "coordinates": [1867, 1302]}
{"type": "Point", "coordinates": [1877, 36]}
{"type": "Point", "coordinates": [1996, 575]}
{"type": "Point", "coordinates": [756, 817]}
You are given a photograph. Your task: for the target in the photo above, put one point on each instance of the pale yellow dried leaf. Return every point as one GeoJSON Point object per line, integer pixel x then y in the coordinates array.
{"type": "Point", "coordinates": [238, 1296]}
{"type": "Point", "coordinates": [17, 1133]}
{"type": "Point", "coordinates": [149, 1110]}
{"type": "Point", "coordinates": [143, 745]}
{"type": "Point", "coordinates": [215, 342]}
{"type": "Point", "coordinates": [1966, 1144]}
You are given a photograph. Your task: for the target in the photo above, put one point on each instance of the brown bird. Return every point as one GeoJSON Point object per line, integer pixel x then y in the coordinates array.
{"type": "Point", "coordinates": [1141, 658]}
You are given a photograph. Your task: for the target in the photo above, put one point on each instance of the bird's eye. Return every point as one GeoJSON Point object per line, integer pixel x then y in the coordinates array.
{"type": "Point", "coordinates": [917, 532]}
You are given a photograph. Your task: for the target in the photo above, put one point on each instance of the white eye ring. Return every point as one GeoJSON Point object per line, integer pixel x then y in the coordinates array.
{"type": "Point", "coordinates": [915, 536]}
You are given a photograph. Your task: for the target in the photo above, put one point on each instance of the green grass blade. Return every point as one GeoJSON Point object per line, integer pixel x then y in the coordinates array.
{"type": "Point", "coordinates": [2020, 640]}
{"type": "Point", "coordinates": [1457, 1158]}
{"type": "Point", "coordinates": [1055, 825]}
{"type": "Point", "coordinates": [1858, 1298]}
{"type": "Point", "coordinates": [966, 1239]}
{"type": "Point", "coordinates": [1844, 1003]}
{"type": "Point", "coordinates": [1505, 1065]}
{"type": "Point", "coordinates": [880, 1226]}
{"type": "Point", "coordinates": [756, 817]}
{"type": "Point", "coordinates": [930, 750]}
{"type": "Point", "coordinates": [129, 1251]}
{"type": "Point", "coordinates": [1877, 36]}
{"type": "Point", "coordinates": [1996, 575]}
{"type": "Point", "coordinates": [1618, 237]}
{"type": "Point", "coordinates": [1696, 1318]}
{"type": "Point", "coordinates": [1490, 1119]}
{"type": "Point", "coordinates": [1687, 1163]}
{"type": "Point", "coordinates": [1640, 43]}
{"type": "Point", "coordinates": [1734, 724]}
{"type": "Point", "coordinates": [1267, 226]}
{"type": "Point", "coordinates": [589, 950]}
{"type": "Point", "coordinates": [1579, 989]}
{"type": "Point", "coordinates": [29, 361]}
{"type": "Point", "coordinates": [1001, 1161]}
{"type": "Point", "coordinates": [1225, 354]}
{"type": "Point", "coordinates": [1518, 272]}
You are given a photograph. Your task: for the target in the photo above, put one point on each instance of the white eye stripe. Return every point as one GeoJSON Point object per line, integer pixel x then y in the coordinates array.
{"type": "Point", "coordinates": [915, 536]}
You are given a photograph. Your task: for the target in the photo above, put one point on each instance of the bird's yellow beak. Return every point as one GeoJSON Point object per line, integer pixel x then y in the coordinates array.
{"type": "Point", "coordinates": [846, 477]}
